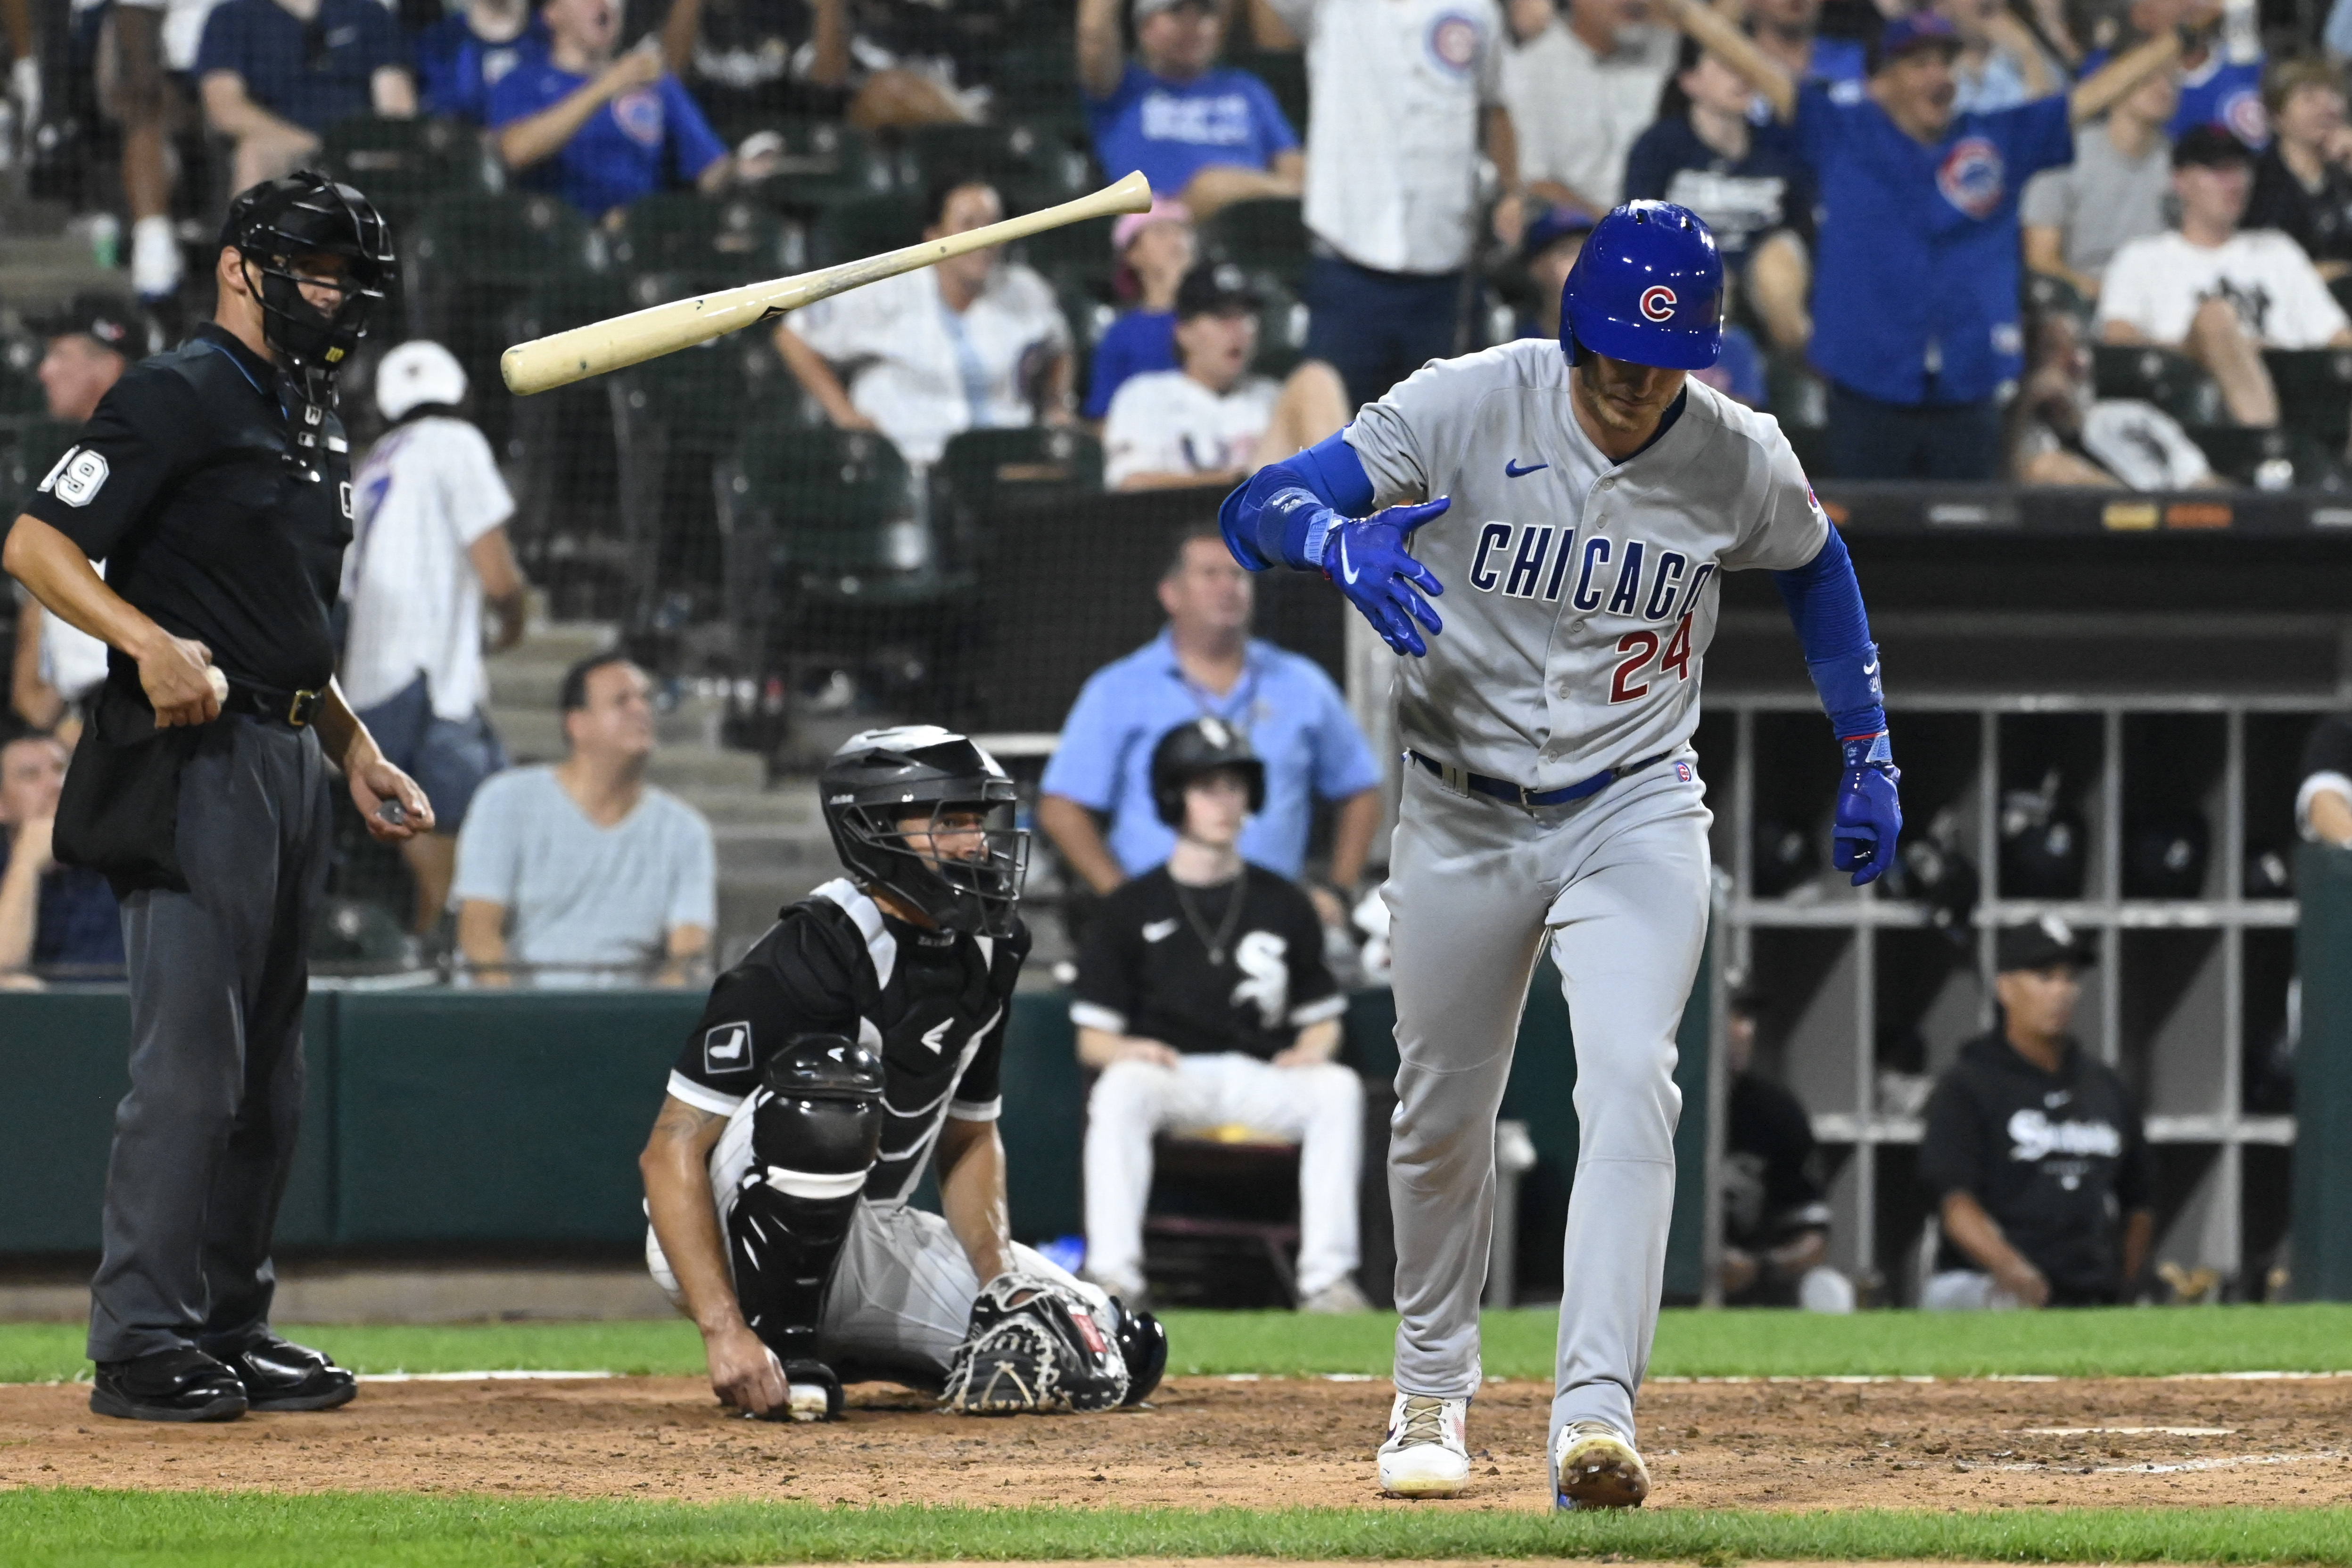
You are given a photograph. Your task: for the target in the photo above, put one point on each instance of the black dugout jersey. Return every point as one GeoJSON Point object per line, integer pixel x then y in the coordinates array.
{"type": "Point", "coordinates": [932, 1004]}
{"type": "Point", "coordinates": [178, 484]}
{"type": "Point", "coordinates": [2328, 750]}
{"type": "Point", "coordinates": [1148, 969]}
{"type": "Point", "coordinates": [2056, 1159]}
{"type": "Point", "coordinates": [1770, 1190]}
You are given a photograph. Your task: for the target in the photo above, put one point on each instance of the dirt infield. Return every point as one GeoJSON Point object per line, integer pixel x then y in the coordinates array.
{"type": "Point", "coordinates": [1209, 1441]}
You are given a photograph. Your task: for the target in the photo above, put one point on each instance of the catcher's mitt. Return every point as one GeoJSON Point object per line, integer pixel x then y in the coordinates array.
{"type": "Point", "coordinates": [1033, 1345]}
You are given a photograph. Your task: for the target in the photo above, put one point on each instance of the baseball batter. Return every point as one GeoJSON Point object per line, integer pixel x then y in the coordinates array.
{"type": "Point", "coordinates": [1574, 510]}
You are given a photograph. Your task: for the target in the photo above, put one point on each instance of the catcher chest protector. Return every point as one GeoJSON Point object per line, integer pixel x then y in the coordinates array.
{"type": "Point", "coordinates": [816, 1131]}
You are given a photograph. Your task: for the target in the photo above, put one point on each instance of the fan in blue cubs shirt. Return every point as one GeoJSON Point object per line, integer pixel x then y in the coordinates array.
{"type": "Point", "coordinates": [1919, 238]}
{"type": "Point", "coordinates": [601, 130]}
{"type": "Point", "coordinates": [1206, 134]}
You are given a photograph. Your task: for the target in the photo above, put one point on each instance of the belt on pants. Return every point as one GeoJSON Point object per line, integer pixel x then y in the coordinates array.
{"type": "Point", "coordinates": [1519, 794]}
{"type": "Point", "coordinates": [292, 709]}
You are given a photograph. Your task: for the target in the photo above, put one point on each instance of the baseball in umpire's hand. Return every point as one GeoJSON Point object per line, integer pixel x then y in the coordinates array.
{"type": "Point", "coordinates": [376, 785]}
{"type": "Point", "coordinates": [181, 682]}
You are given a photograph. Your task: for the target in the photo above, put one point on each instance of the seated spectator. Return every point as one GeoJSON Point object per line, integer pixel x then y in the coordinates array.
{"type": "Point", "coordinates": [1999, 65]}
{"type": "Point", "coordinates": [2302, 181]}
{"type": "Point", "coordinates": [2077, 217]}
{"type": "Point", "coordinates": [89, 348]}
{"type": "Point", "coordinates": [2216, 292]}
{"type": "Point", "coordinates": [49, 914]}
{"type": "Point", "coordinates": [1752, 189]}
{"type": "Point", "coordinates": [2322, 806]}
{"type": "Point", "coordinates": [1776, 1222]}
{"type": "Point", "coordinates": [1155, 250]}
{"type": "Point", "coordinates": [584, 862]}
{"type": "Point", "coordinates": [1204, 135]}
{"type": "Point", "coordinates": [1202, 1001]}
{"type": "Point", "coordinates": [2044, 1184]}
{"type": "Point", "coordinates": [275, 73]}
{"type": "Point", "coordinates": [469, 51]}
{"type": "Point", "coordinates": [1207, 665]}
{"type": "Point", "coordinates": [428, 546]}
{"type": "Point", "coordinates": [1581, 90]}
{"type": "Point", "coordinates": [1549, 247]}
{"type": "Point", "coordinates": [2220, 77]}
{"type": "Point", "coordinates": [602, 131]}
{"type": "Point", "coordinates": [146, 53]}
{"type": "Point", "coordinates": [1919, 249]}
{"type": "Point", "coordinates": [2066, 434]}
{"type": "Point", "coordinates": [1213, 422]}
{"type": "Point", "coordinates": [974, 342]}
{"type": "Point", "coordinates": [1789, 32]}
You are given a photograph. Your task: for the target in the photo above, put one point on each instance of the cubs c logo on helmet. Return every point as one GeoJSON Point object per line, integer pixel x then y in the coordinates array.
{"type": "Point", "coordinates": [1658, 302]}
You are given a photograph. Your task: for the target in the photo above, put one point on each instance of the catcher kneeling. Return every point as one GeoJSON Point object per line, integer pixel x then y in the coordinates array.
{"type": "Point", "coordinates": [862, 1034]}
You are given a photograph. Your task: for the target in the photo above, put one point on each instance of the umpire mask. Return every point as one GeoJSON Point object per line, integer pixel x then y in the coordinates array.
{"type": "Point", "coordinates": [283, 228]}
{"type": "Point", "coordinates": [926, 815]}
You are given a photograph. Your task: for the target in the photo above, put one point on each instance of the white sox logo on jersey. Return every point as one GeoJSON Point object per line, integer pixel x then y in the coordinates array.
{"type": "Point", "coordinates": [1617, 576]}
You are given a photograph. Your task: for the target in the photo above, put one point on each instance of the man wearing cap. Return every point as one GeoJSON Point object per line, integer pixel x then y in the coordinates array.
{"type": "Point", "coordinates": [1204, 133]}
{"type": "Point", "coordinates": [1212, 422]}
{"type": "Point", "coordinates": [2044, 1182]}
{"type": "Point", "coordinates": [1916, 285]}
{"type": "Point", "coordinates": [2216, 292]}
{"type": "Point", "coordinates": [1549, 247]}
{"type": "Point", "coordinates": [428, 547]}
{"type": "Point", "coordinates": [89, 347]}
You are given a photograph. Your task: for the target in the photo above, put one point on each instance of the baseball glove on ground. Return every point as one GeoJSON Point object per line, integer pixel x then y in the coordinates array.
{"type": "Point", "coordinates": [1033, 1345]}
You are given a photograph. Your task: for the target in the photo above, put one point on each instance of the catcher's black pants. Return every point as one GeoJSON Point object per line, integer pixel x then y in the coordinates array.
{"type": "Point", "coordinates": [205, 1139]}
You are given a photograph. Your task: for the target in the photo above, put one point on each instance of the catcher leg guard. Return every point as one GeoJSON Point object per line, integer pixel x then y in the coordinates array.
{"type": "Point", "coordinates": [817, 1130]}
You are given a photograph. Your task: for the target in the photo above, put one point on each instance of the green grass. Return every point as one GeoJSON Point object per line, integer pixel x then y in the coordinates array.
{"type": "Point", "coordinates": [2124, 1341]}
{"type": "Point", "coordinates": [104, 1529]}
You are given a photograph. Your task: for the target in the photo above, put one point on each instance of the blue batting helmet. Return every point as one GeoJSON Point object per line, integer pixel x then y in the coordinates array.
{"type": "Point", "coordinates": [1647, 288]}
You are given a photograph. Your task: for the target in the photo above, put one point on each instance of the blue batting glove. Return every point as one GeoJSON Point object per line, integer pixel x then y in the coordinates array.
{"type": "Point", "coordinates": [1869, 811]}
{"type": "Point", "coordinates": [1367, 559]}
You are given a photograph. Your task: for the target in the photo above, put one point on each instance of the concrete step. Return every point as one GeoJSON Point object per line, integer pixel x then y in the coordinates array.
{"type": "Point", "coordinates": [534, 733]}
{"type": "Point", "coordinates": [788, 807]}
{"type": "Point", "coordinates": [682, 770]}
{"type": "Point", "coordinates": [43, 272]}
{"type": "Point", "coordinates": [753, 854]}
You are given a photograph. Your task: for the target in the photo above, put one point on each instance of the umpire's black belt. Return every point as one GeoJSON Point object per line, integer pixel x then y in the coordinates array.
{"type": "Point", "coordinates": [1519, 794]}
{"type": "Point", "coordinates": [273, 704]}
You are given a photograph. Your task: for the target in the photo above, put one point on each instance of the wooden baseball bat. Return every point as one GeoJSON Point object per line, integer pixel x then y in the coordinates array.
{"type": "Point", "coordinates": [562, 358]}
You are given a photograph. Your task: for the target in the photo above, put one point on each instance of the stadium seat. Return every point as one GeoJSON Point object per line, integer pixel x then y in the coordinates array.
{"type": "Point", "coordinates": [1030, 168]}
{"type": "Point", "coordinates": [840, 512]}
{"type": "Point", "coordinates": [1075, 252]}
{"type": "Point", "coordinates": [2272, 459]}
{"type": "Point", "coordinates": [2174, 382]}
{"type": "Point", "coordinates": [406, 164]}
{"type": "Point", "coordinates": [1268, 236]}
{"type": "Point", "coordinates": [1796, 392]}
{"type": "Point", "coordinates": [848, 230]}
{"type": "Point", "coordinates": [983, 470]}
{"type": "Point", "coordinates": [512, 241]}
{"type": "Point", "coordinates": [2046, 294]}
{"type": "Point", "coordinates": [1284, 71]}
{"type": "Point", "coordinates": [823, 163]}
{"type": "Point", "coordinates": [21, 396]}
{"type": "Point", "coordinates": [2314, 390]}
{"type": "Point", "coordinates": [716, 243]}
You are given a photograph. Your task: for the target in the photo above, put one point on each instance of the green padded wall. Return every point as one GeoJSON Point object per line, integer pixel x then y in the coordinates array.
{"type": "Point", "coordinates": [2323, 1078]}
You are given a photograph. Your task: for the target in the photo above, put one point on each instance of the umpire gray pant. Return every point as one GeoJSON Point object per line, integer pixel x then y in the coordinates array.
{"type": "Point", "coordinates": [205, 1139]}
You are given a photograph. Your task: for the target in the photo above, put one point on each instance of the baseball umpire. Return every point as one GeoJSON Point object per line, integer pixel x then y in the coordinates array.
{"type": "Point", "coordinates": [1596, 491]}
{"type": "Point", "coordinates": [215, 481]}
{"type": "Point", "coordinates": [861, 1037]}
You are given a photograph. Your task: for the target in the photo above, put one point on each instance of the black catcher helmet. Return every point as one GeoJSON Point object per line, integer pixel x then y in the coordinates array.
{"type": "Point", "coordinates": [307, 213]}
{"type": "Point", "coordinates": [880, 778]}
{"type": "Point", "coordinates": [1188, 751]}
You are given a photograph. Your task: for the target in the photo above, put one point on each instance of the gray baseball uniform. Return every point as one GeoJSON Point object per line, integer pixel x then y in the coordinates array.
{"type": "Point", "coordinates": [1580, 598]}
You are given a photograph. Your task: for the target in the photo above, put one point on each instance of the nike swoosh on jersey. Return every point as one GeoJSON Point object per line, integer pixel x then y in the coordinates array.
{"type": "Point", "coordinates": [1511, 468]}
{"type": "Point", "coordinates": [1871, 668]}
{"type": "Point", "coordinates": [1160, 931]}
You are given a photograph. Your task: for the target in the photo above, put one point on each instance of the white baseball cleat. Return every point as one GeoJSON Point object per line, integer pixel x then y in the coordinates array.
{"type": "Point", "coordinates": [1593, 1467]}
{"type": "Point", "coordinates": [1424, 1454]}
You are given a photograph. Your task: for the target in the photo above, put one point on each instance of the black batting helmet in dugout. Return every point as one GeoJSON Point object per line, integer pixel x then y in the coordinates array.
{"type": "Point", "coordinates": [1646, 289]}
{"type": "Point", "coordinates": [1202, 746]}
{"type": "Point", "coordinates": [885, 787]}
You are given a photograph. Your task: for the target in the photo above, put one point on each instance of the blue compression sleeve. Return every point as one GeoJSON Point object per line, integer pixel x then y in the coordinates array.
{"type": "Point", "coordinates": [1825, 605]}
{"type": "Point", "coordinates": [1271, 515]}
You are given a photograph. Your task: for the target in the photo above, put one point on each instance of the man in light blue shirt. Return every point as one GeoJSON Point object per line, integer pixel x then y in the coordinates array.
{"type": "Point", "coordinates": [1205, 664]}
{"type": "Point", "coordinates": [585, 863]}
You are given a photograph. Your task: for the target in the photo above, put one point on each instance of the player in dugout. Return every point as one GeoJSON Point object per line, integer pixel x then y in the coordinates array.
{"type": "Point", "coordinates": [861, 1037]}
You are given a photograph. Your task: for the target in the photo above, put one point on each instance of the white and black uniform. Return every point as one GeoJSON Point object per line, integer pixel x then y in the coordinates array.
{"type": "Point", "coordinates": [933, 1005]}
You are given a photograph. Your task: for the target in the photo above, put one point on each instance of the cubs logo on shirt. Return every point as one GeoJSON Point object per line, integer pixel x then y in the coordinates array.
{"type": "Point", "coordinates": [639, 116]}
{"type": "Point", "coordinates": [1972, 176]}
{"type": "Point", "coordinates": [1453, 42]}
{"type": "Point", "coordinates": [1658, 302]}
{"type": "Point", "coordinates": [2242, 112]}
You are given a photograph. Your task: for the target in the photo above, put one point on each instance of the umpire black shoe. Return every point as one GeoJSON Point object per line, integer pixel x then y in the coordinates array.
{"type": "Point", "coordinates": [168, 1385]}
{"type": "Point", "coordinates": [279, 1374]}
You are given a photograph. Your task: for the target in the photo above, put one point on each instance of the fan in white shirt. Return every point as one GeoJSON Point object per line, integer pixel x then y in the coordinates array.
{"type": "Point", "coordinates": [1212, 422]}
{"type": "Point", "coordinates": [2214, 293]}
{"type": "Point", "coordinates": [1581, 90]}
{"type": "Point", "coordinates": [972, 343]}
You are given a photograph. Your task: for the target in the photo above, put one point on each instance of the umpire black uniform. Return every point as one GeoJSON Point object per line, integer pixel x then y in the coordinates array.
{"type": "Point", "coordinates": [215, 481]}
